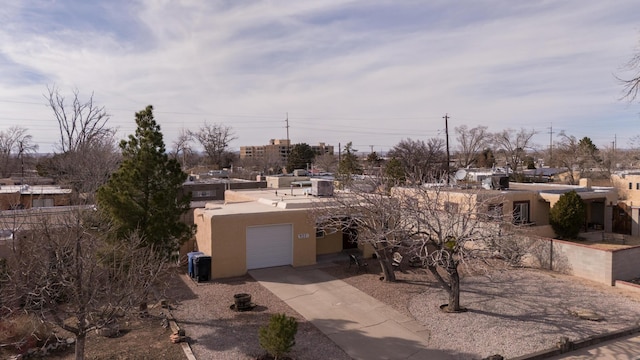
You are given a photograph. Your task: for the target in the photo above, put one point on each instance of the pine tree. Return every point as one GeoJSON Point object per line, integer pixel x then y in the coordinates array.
{"type": "Point", "coordinates": [278, 337]}
{"type": "Point", "coordinates": [144, 193]}
{"type": "Point", "coordinates": [349, 164]}
{"type": "Point", "coordinates": [300, 156]}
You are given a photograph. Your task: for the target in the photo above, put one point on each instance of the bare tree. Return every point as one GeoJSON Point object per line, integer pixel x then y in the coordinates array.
{"type": "Point", "coordinates": [576, 155]}
{"type": "Point", "coordinates": [326, 162]}
{"type": "Point", "coordinates": [631, 84]}
{"type": "Point", "coordinates": [65, 270]}
{"type": "Point", "coordinates": [515, 144]}
{"type": "Point", "coordinates": [366, 211]}
{"type": "Point", "coordinates": [182, 150]}
{"type": "Point", "coordinates": [85, 169]}
{"type": "Point", "coordinates": [88, 154]}
{"type": "Point", "coordinates": [470, 143]}
{"type": "Point", "coordinates": [420, 160]}
{"type": "Point", "coordinates": [450, 229]}
{"type": "Point", "coordinates": [215, 139]}
{"type": "Point", "coordinates": [80, 122]}
{"type": "Point", "coordinates": [15, 143]}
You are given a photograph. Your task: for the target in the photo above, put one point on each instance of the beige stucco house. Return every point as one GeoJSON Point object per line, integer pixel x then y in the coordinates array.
{"type": "Point", "coordinates": [627, 212]}
{"type": "Point", "coordinates": [261, 228]}
{"type": "Point", "coordinates": [273, 227]}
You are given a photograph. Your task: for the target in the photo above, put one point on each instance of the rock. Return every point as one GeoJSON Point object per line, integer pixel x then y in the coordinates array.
{"type": "Point", "coordinates": [494, 357]}
{"type": "Point", "coordinates": [586, 314]}
{"type": "Point", "coordinates": [111, 330]}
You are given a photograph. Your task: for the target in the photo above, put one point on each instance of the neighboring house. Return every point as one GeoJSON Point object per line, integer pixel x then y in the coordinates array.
{"type": "Point", "coordinates": [544, 174]}
{"type": "Point", "coordinates": [626, 216]}
{"type": "Point", "coordinates": [13, 197]}
{"type": "Point", "coordinates": [599, 202]}
{"type": "Point", "coordinates": [273, 227]}
{"type": "Point", "coordinates": [213, 188]}
{"type": "Point", "coordinates": [14, 223]}
{"type": "Point", "coordinates": [285, 181]}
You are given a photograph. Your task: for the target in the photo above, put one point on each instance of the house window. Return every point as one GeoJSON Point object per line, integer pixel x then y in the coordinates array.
{"type": "Point", "coordinates": [450, 207]}
{"type": "Point", "coordinates": [42, 203]}
{"type": "Point", "coordinates": [495, 212]}
{"type": "Point", "coordinates": [521, 212]}
{"type": "Point", "coordinates": [630, 186]}
{"type": "Point", "coordinates": [637, 186]}
{"type": "Point", "coordinates": [203, 193]}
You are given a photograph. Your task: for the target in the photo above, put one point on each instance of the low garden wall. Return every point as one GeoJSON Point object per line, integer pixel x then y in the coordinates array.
{"type": "Point", "coordinates": [601, 265]}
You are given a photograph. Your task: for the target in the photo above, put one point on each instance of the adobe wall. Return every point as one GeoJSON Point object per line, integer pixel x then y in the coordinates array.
{"type": "Point", "coordinates": [224, 236]}
{"type": "Point", "coordinates": [329, 244]}
{"type": "Point", "coordinates": [583, 261]}
{"type": "Point", "coordinates": [625, 263]}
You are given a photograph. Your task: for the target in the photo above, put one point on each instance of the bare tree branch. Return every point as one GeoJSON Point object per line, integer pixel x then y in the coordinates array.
{"type": "Point", "coordinates": [80, 123]}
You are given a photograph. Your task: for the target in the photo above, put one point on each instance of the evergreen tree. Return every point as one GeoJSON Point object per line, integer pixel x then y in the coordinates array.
{"type": "Point", "coordinates": [567, 215]}
{"type": "Point", "coordinates": [349, 164]}
{"type": "Point", "coordinates": [299, 157]}
{"type": "Point", "coordinates": [144, 193]}
{"type": "Point", "coordinates": [278, 337]}
{"type": "Point", "coordinates": [394, 171]}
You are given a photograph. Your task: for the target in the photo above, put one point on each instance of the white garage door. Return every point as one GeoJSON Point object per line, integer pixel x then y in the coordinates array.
{"type": "Point", "coordinates": [269, 246]}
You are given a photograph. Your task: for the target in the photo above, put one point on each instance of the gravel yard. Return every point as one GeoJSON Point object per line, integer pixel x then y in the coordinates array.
{"type": "Point", "coordinates": [217, 332]}
{"type": "Point", "coordinates": [511, 312]}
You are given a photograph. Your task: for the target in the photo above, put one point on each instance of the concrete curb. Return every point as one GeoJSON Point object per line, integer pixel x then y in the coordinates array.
{"type": "Point", "coordinates": [576, 345]}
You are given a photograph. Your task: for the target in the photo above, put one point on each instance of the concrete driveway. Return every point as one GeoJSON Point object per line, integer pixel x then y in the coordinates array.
{"type": "Point", "coordinates": [362, 326]}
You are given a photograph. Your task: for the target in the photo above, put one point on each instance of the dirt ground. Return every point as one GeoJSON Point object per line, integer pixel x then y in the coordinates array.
{"type": "Point", "coordinates": [138, 338]}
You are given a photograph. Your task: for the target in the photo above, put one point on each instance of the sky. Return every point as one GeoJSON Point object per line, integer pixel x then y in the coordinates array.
{"type": "Point", "coordinates": [370, 72]}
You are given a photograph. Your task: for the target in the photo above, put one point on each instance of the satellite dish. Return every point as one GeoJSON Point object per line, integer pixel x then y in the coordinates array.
{"type": "Point", "coordinates": [460, 174]}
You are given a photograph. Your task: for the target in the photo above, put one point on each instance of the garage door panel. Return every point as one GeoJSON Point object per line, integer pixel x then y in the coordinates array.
{"type": "Point", "coordinates": [269, 246]}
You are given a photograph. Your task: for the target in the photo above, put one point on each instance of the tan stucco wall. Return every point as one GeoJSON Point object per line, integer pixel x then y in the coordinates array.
{"type": "Point", "coordinates": [329, 244]}
{"type": "Point", "coordinates": [542, 231]}
{"type": "Point", "coordinates": [538, 208]}
{"type": "Point", "coordinates": [223, 237]}
{"type": "Point", "coordinates": [621, 183]}
{"type": "Point", "coordinates": [203, 231]}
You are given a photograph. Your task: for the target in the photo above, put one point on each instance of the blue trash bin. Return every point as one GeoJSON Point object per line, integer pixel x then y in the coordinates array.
{"type": "Point", "coordinates": [190, 268]}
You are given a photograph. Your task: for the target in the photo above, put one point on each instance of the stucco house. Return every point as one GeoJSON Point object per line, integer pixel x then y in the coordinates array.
{"type": "Point", "coordinates": [261, 228]}
{"type": "Point", "coordinates": [273, 227]}
{"type": "Point", "coordinates": [627, 212]}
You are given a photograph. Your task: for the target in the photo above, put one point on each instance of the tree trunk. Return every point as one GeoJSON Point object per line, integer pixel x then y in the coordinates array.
{"type": "Point", "coordinates": [387, 270]}
{"type": "Point", "coordinates": [454, 290]}
{"type": "Point", "coordinates": [80, 341]}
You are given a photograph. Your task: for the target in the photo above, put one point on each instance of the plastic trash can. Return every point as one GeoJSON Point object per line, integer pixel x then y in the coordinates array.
{"type": "Point", "coordinates": [190, 256]}
{"type": "Point", "coordinates": [202, 267]}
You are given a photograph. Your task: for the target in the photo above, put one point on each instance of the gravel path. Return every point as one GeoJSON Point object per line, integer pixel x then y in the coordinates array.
{"type": "Point", "coordinates": [512, 313]}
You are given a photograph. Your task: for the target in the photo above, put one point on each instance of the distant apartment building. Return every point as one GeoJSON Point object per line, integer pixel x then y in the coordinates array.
{"type": "Point", "coordinates": [279, 149]}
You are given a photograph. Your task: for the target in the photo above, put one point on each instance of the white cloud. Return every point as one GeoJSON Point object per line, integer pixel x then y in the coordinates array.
{"type": "Point", "coordinates": [380, 72]}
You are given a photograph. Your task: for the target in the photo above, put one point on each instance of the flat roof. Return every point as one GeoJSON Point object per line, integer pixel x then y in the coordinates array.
{"type": "Point", "coordinates": [33, 189]}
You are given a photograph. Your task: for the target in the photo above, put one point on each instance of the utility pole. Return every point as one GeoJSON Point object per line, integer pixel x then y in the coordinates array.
{"type": "Point", "coordinates": [287, 126]}
{"type": "Point", "coordinates": [446, 131]}
{"type": "Point", "coordinates": [286, 120]}
{"type": "Point", "coordinates": [550, 144]}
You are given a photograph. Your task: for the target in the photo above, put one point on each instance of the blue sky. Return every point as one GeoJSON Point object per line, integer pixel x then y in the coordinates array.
{"type": "Point", "coordinates": [370, 72]}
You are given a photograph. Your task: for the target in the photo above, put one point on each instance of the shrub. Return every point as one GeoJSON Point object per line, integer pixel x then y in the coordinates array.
{"type": "Point", "coordinates": [567, 216]}
{"type": "Point", "coordinates": [278, 337]}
